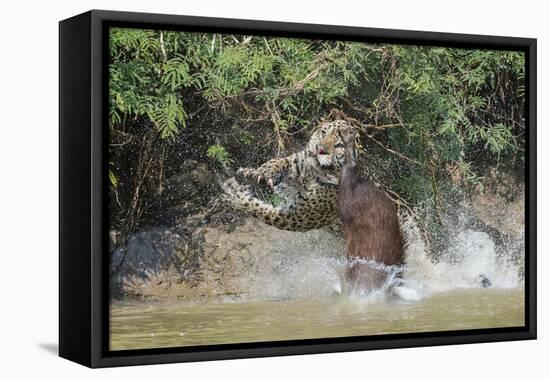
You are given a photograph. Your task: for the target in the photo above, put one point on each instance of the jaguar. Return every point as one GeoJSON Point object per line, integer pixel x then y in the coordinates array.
{"type": "Point", "coordinates": [306, 183]}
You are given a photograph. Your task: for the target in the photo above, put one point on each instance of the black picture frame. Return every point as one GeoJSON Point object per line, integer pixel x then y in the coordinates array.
{"type": "Point", "coordinates": [83, 263]}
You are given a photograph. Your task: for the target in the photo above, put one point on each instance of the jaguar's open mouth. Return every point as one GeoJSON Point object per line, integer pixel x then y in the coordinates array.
{"type": "Point", "coordinates": [325, 160]}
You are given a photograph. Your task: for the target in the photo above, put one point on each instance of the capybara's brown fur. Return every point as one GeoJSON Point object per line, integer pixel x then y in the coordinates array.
{"type": "Point", "coordinates": [370, 224]}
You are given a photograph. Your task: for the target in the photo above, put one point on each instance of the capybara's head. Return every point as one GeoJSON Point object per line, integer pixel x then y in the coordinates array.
{"type": "Point", "coordinates": [326, 144]}
{"type": "Point", "coordinates": [348, 135]}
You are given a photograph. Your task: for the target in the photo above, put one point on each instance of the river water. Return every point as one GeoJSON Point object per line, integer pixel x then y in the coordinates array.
{"type": "Point", "coordinates": [150, 324]}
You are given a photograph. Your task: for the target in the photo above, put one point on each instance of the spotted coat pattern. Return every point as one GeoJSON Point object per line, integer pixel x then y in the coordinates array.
{"type": "Point", "coordinates": [306, 181]}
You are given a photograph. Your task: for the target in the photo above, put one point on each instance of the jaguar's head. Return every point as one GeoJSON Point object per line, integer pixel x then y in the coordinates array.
{"type": "Point", "coordinates": [326, 144]}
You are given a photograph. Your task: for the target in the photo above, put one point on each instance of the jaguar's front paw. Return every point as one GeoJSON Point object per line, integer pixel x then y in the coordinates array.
{"type": "Point", "coordinates": [245, 173]}
{"type": "Point", "coordinates": [252, 175]}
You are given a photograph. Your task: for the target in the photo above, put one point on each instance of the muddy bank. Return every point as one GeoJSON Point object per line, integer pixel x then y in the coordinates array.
{"type": "Point", "coordinates": [215, 260]}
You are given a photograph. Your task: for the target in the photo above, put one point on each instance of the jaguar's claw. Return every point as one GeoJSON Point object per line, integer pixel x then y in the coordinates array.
{"type": "Point", "coordinates": [244, 172]}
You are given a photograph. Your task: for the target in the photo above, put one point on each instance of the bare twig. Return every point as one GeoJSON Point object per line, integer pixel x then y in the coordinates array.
{"type": "Point", "coordinates": [393, 151]}
{"type": "Point", "coordinates": [276, 118]}
{"type": "Point", "coordinates": [162, 48]}
{"type": "Point", "coordinates": [360, 125]}
{"type": "Point", "coordinates": [383, 127]}
{"type": "Point", "coordinates": [296, 88]}
{"type": "Point", "coordinates": [213, 43]}
{"type": "Point", "coordinates": [267, 45]}
{"type": "Point", "coordinates": [123, 143]}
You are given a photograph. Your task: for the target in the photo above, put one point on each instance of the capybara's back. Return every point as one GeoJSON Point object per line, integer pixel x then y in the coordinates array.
{"type": "Point", "coordinates": [371, 225]}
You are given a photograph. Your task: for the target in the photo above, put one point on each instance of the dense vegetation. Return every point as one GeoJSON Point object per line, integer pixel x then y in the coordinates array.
{"type": "Point", "coordinates": [432, 119]}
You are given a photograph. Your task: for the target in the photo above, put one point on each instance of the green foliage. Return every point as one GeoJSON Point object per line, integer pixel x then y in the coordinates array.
{"type": "Point", "coordinates": [220, 154]}
{"type": "Point", "coordinates": [147, 76]}
{"type": "Point", "coordinates": [246, 138]}
{"type": "Point", "coordinates": [459, 110]}
{"type": "Point", "coordinates": [438, 116]}
{"type": "Point", "coordinates": [112, 179]}
{"type": "Point", "coordinates": [274, 199]}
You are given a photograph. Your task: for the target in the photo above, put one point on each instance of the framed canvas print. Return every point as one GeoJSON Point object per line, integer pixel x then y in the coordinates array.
{"type": "Point", "coordinates": [233, 188]}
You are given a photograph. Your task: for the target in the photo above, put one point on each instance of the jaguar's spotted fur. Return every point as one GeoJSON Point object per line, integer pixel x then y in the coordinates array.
{"type": "Point", "coordinates": [306, 181]}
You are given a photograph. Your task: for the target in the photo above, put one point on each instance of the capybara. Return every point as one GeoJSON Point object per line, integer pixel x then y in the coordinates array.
{"type": "Point", "coordinates": [370, 223]}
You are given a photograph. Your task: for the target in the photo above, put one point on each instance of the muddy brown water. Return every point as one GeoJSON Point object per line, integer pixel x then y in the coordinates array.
{"type": "Point", "coordinates": [139, 324]}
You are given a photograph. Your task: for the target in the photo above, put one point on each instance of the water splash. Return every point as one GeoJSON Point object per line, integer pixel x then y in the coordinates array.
{"type": "Point", "coordinates": [304, 276]}
{"type": "Point", "coordinates": [470, 261]}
